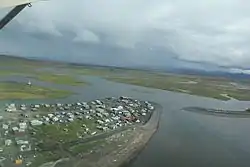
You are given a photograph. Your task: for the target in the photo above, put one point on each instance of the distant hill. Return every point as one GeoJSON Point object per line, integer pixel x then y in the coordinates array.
{"type": "Point", "coordinates": [213, 73]}
{"type": "Point", "coordinates": [144, 68]}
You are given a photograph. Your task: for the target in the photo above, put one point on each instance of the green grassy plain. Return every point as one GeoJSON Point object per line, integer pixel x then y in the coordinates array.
{"type": "Point", "coordinates": [65, 132]}
{"type": "Point", "coordinates": [103, 72]}
{"type": "Point", "coordinates": [14, 90]}
{"type": "Point", "coordinates": [190, 84]}
{"type": "Point", "coordinates": [59, 79]}
{"type": "Point", "coordinates": [44, 76]}
{"type": "Point", "coordinates": [33, 68]}
{"type": "Point", "coordinates": [45, 157]}
{"type": "Point", "coordinates": [214, 87]}
{"type": "Point", "coordinates": [84, 147]}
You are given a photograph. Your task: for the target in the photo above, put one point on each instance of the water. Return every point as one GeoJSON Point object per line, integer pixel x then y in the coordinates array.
{"type": "Point", "coordinates": [184, 138]}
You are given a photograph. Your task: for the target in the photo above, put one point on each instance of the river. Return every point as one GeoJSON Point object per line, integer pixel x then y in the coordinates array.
{"type": "Point", "coordinates": [184, 138]}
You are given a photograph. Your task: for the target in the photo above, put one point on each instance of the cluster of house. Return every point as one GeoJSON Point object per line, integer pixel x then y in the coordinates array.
{"type": "Point", "coordinates": [107, 114]}
{"type": "Point", "coordinates": [33, 107]}
{"type": "Point", "coordinates": [14, 135]}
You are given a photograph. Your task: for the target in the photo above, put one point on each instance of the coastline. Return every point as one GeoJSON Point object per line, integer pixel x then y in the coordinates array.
{"type": "Point", "coordinates": [136, 153]}
{"type": "Point", "coordinates": [146, 131]}
{"type": "Point", "coordinates": [124, 154]}
{"type": "Point", "coordinates": [216, 112]}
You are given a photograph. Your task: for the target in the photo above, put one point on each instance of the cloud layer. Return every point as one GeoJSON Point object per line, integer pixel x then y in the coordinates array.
{"type": "Point", "coordinates": [205, 31]}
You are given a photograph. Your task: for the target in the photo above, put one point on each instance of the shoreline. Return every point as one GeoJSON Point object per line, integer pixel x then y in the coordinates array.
{"type": "Point", "coordinates": [152, 125]}
{"type": "Point", "coordinates": [216, 112]}
{"type": "Point", "coordinates": [123, 155]}
{"type": "Point", "coordinates": [135, 154]}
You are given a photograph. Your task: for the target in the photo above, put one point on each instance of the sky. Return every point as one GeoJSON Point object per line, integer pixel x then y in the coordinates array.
{"type": "Point", "coordinates": [201, 34]}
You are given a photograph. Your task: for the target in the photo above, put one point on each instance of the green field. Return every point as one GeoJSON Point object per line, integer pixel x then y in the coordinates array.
{"type": "Point", "coordinates": [46, 157]}
{"type": "Point", "coordinates": [84, 147]}
{"type": "Point", "coordinates": [51, 156]}
{"type": "Point", "coordinates": [213, 87]}
{"type": "Point", "coordinates": [34, 69]}
{"type": "Point", "coordinates": [50, 134]}
{"type": "Point", "coordinates": [59, 79]}
{"type": "Point", "coordinates": [14, 90]}
{"type": "Point", "coordinates": [218, 88]}
{"type": "Point", "coordinates": [102, 72]}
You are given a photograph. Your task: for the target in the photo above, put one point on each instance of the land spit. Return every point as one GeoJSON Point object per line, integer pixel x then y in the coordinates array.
{"type": "Point", "coordinates": [219, 112]}
{"type": "Point", "coordinates": [122, 151]}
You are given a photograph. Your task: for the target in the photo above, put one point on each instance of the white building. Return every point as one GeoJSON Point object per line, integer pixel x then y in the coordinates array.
{"type": "Point", "coordinates": [21, 142]}
{"type": "Point", "coordinates": [99, 122]}
{"type": "Point", "coordinates": [36, 122]}
{"type": "Point", "coordinates": [59, 105]}
{"type": "Point", "coordinates": [93, 133]}
{"type": "Point", "coordinates": [22, 125]}
{"type": "Point", "coordinates": [55, 119]}
{"type": "Point", "coordinates": [100, 110]}
{"type": "Point", "coordinates": [8, 142]}
{"type": "Point", "coordinates": [11, 108]}
{"type": "Point", "coordinates": [120, 107]}
{"type": "Point", "coordinates": [70, 119]}
{"type": "Point", "coordinates": [99, 115]}
{"type": "Point", "coordinates": [15, 129]}
{"type": "Point", "coordinates": [37, 106]}
{"type": "Point", "coordinates": [50, 115]}
{"type": "Point", "coordinates": [5, 127]}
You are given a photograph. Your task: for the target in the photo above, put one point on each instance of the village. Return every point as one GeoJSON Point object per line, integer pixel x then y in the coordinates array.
{"type": "Point", "coordinates": [27, 129]}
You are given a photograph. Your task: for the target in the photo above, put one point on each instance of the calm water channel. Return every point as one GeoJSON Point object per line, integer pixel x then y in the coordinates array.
{"type": "Point", "coordinates": [184, 139]}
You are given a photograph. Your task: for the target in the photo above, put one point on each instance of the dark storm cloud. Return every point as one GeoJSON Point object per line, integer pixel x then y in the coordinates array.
{"type": "Point", "coordinates": [133, 31]}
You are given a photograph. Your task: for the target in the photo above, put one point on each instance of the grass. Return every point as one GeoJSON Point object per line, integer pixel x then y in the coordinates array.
{"type": "Point", "coordinates": [204, 86]}
{"type": "Point", "coordinates": [59, 79]}
{"type": "Point", "coordinates": [56, 154]}
{"type": "Point", "coordinates": [18, 71]}
{"type": "Point", "coordinates": [213, 87]}
{"type": "Point", "coordinates": [7, 72]}
{"type": "Point", "coordinates": [43, 76]}
{"type": "Point", "coordinates": [92, 71]}
{"type": "Point", "coordinates": [21, 66]}
{"type": "Point", "coordinates": [14, 90]}
{"type": "Point", "coordinates": [84, 147]}
{"type": "Point", "coordinates": [52, 134]}
{"type": "Point", "coordinates": [45, 157]}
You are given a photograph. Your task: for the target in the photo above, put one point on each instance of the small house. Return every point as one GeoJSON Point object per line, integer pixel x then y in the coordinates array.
{"type": "Point", "coordinates": [21, 142]}
{"type": "Point", "coordinates": [93, 133]}
{"type": "Point", "coordinates": [5, 126]}
{"type": "Point", "coordinates": [15, 129]}
{"type": "Point", "coordinates": [99, 115]}
{"type": "Point", "coordinates": [36, 122]}
{"type": "Point", "coordinates": [50, 115]}
{"type": "Point", "coordinates": [100, 110]}
{"type": "Point", "coordinates": [47, 105]}
{"type": "Point", "coordinates": [99, 122]}
{"type": "Point", "coordinates": [55, 119]}
{"type": "Point", "coordinates": [22, 125]}
{"type": "Point", "coordinates": [8, 142]}
{"type": "Point", "coordinates": [70, 119]}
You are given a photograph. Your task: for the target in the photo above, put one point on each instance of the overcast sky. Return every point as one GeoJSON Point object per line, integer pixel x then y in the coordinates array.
{"type": "Point", "coordinates": [166, 33]}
